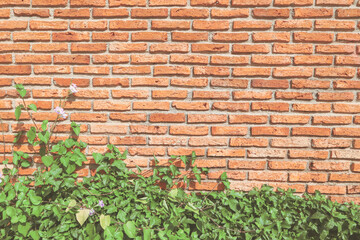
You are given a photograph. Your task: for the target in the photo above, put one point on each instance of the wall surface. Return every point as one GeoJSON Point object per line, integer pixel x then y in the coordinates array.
{"type": "Point", "coordinates": [264, 89]}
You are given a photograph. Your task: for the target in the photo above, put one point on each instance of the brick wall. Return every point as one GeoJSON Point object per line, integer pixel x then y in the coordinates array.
{"type": "Point", "coordinates": [264, 89]}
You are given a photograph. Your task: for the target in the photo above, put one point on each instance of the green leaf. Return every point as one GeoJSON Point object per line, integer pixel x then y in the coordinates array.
{"type": "Point", "coordinates": [35, 235]}
{"type": "Point", "coordinates": [72, 204]}
{"type": "Point", "coordinates": [44, 125]}
{"type": "Point", "coordinates": [25, 164]}
{"type": "Point", "coordinates": [47, 160]}
{"type": "Point", "coordinates": [104, 221]}
{"type": "Point", "coordinates": [31, 134]}
{"type": "Point", "coordinates": [36, 200]}
{"type": "Point", "coordinates": [82, 215]}
{"type": "Point", "coordinates": [130, 229]}
{"type": "Point", "coordinates": [24, 228]}
{"type": "Point", "coordinates": [97, 157]}
{"type": "Point", "coordinates": [147, 234]}
{"type": "Point", "coordinates": [18, 136]}
{"type": "Point", "coordinates": [32, 107]}
{"type": "Point", "coordinates": [71, 168]}
{"type": "Point", "coordinates": [20, 89]}
{"type": "Point", "coordinates": [76, 128]}
{"type": "Point", "coordinates": [18, 112]}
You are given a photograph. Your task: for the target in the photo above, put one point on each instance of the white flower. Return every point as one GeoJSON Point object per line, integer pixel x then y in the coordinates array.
{"type": "Point", "coordinates": [61, 112]}
{"type": "Point", "coordinates": [73, 88]}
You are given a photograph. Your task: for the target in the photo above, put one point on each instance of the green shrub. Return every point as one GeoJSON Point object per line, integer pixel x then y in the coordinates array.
{"type": "Point", "coordinates": [117, 203]}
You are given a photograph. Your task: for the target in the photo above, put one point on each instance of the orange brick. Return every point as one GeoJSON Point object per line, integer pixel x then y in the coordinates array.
{"type": "Point", "coordinates": [251, 25]}
{"type": "Point", "coordinates": [270, 13]}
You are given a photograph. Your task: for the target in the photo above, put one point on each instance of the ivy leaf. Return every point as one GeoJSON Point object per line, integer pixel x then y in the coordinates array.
{"type": "Point", "coordinates": [18, 112]}
{"type": "Point", "coordinates": [35, 234]}
{"type": "Point", "coordinates": [82, 215]}
{"type": "Point", "coordinates": [36, 200]}
{"type": "Point", "coordinates": [24, 229]}
{"type": "Point", "coordinates": [76, 128]}
{"type": "Point", "coordinates": [97, 157]}
{"type": "Point", "coordinates": [147, 234]}
{"type": "Point", "coordinates": [44, 125]}
{"type": "Point", "coordinates": [32, 107]}
{"type": "Point", "coordinates": [47, 160]}
{"type": "Point", "coordinates": [71, 168]}
{"type": "Point", "coordinates": [130, 229]}
{"type": "Point", "coordinates": [104, 221]}
{"type": "Point", "coordinates": [31, 134]}
{"type": "Point", "coordinates": [21, 90]}
{"type": "Point", "coordinates": [18, 136]}
{"type": "Point", "coordinates": [25, 164]}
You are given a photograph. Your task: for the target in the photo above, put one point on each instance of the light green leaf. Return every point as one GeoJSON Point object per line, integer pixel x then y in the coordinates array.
{"type": "Point", "coordinates": [130, 229]}
{"type": "Point", "coordinates": [32, 107]}
{"type": "Point", "coordinates": [35, 235]}
{"type": "Point", "coordinates": [36, 200]}
{"type": "Point", "coordinates": [97, 157]}
{"type": "Point", "coordinates": [147, 234]}
{"type": "Point", "coordinates": [82, 215]}
{"type": "Point", "coordinates": [72, 204]}
{"type": "Point", "coordinates": [76, 128]}
{"type": "Point", "coordinates": [44, 125]}
{"type": "Point", "coordinates": [47, 160]}
{"type": "Point", "coordinates": [20, 89]}
{"type": "Point", "coordinates": [104, 221]}
{"type": "Point", "coordinates": [24, 229]}
{"type": "Point", "coordinates": [18, 112]}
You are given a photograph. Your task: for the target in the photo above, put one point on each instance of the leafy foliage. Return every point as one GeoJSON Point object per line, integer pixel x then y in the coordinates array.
{"type": "Point", "coordinates": [119, 203]}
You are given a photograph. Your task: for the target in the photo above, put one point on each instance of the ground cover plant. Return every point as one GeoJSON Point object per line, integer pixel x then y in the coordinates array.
{"type": "Point", "coordinates": [120, 203]}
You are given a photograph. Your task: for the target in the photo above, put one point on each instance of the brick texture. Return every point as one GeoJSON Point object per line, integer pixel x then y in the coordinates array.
{"type": "Point", "coordinates": [264, 89]}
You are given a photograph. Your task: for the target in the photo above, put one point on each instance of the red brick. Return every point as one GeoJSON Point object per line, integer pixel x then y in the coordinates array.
{"type": "Point", "coordinates": [331, 143]}
{"type": "Point", "coordinates": [109, 36]}
{"type": "Point", "coordinates": [250, 49]}
{"type": "Point", "coordinates": [128, 25]}
{"type": "Point", "coordinates": [15, 70]}
{"type": "Point", "coordinates": [268, 176]}
{"type": "Point", "coordinates": [270, 13]}
{"type": "Point", "coordinates": [308, 154]}
{"type": "Point", "coordinates": [206, 118]}
{"type": "Point", "coordinates": [248, 119]}
{"type": "Point", "coordinates": [188, 59]}
{"type": "Point", "coordinates": [72, 13]}
{"type": "Point", "coordinates": [251, 3]}
{"type": "Point", "coordinates": [335, 49]}
{"type": "Point", "coordinates": [211, 48]}
{"type": "Point", "coordinates": [43, 13]}
{"type": "Point", "coordinates": [127, 47]}
{"type": "Point", "coordinates": [130, 94]}
{"type": "Point", "coordinates": [70, 37]}
{"type": "Point", "coordinates": [329, 166]}
{"type": "Point", "coordinates": [151, 106]}
{"type": "Point", "coordinates": [128, 117]}
{"type": "Point", "coordinates": [169, 48]}
{"type": "Point", "coordinates": [237, 95]}
{"type": "Point", "coordinates": [334, 25]}
{"type": "Point", "coordinates": [308, 177]}
{"type": "Point", "coordinates": [288, 165]}
{"type": "Point", "coordinates": [310, 131]}
{"type": "Point", "coordinates": [318, 107]}
{"type": "Point", "coordinates": [232, 83]}
{"type": "Point", "coordinates": [167, 3]}
{"type": "Point", "coordinates": [160, 82]}
{"type": "Point", "coordinates": [191, 106]}
{"type": "Point", "coordinates": [171, 70]}
{"type": "Point", "coordinates": [14, 3]}
{"type": "Point", "coordinates": [88, 25]}
{"type": "Point", "coordinates": [189, 13]}
{"type": "Point", "coordinates": [201, 142]}
{"type": "Point", "coordinates": [93, 70]}
{"type": "Point", "coordinates": [130, 3]}
{"type": "Point", "coordinates": [229, 13]}
{"type": "Point", "coordinates": [31, 37]}
{"type": "Point", "coordinates": [110, 13]}
{"type": "Point", "coordinates": [189, 36]}
{"type": "Point", "coordinates": [290, 142]}
{"type": "Point", "coordinates": [313, 60]}
{"type": "Point", "coordinates": [252, 25]}
{"type": "Point", "coordinates": [144, 129]}
{"type": "Point", "coordinates": [313, 12]}
{"type": "Point", "coordinates": [230, 37]}
{"type": "Point", "coordinates": [335, 72]}
{"type": "Point", "coordinates": [292, 24]}
{"type": "Point", "coordinates": [169, 25]}
{"type": "Point", "coordinates": [231, 107]}
{"type": "Point", "coordinates": [149, 37]}
{"type": "Point", "coordinates": [327, 189]}
{"type": "Point", "coordinates": [251, 72]}
{"type": "Point", "coordinates": [100, 82]}
{"type": "Point", "coordinates": [348, 37]}
{"type": "Point", "coordinates": [334, 2]}
{"type": "Point", "coordinates": [210, 95]}
{"type": "Point", "coordinates": [346, 132]}
{"type": "Point", "coordinates": [348, 13]}
{"type": "Point", "coordinates": [310, 84]}
{"type": "Point", "coordinates": [337, 96]}
{"type": "Point", "coordinates": [228, 131]}
{"type": "Point", "coordinates": [209, 3]}
{"type": "Point", "coordinates": [87, 3]}
{"type": "Point", "coordinates": [313, 37]}
{"type": "Point", "coordinates": [45, 3]}
{"type": "Point", "coordinates": [293, 72]}
{"type": "Point", "coordinates": [219, 152]}
{"type": "Point", "coordinates": [332, 120]}
{"type": "Point", "coordinates": [110, 59]}
{"type": "Point", "coordinates": [292, 48]}
{"type": "Point", "coordinates": [167, 117]}
{"type": "Point", "coordinates": [294, 95]}
{"type": "Point", "coordinates": [269, 131]}
{"type": "Point", "coordinates": [248, 142]}
{"type": "Point", "coordinates": [271, 37]}
{"type": "Point", "coordinates": [211, 71]}
{"type": "Point", "coordinates": [270, 60]}
{"type": "Point", "coordinates": [289, 119]}
{"type": "Point", "coordinates": [189, 130]}
{"type": "Point", "coordinates": [133, 70]}
{"type": "Point", "coordinates": [270, 106]}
